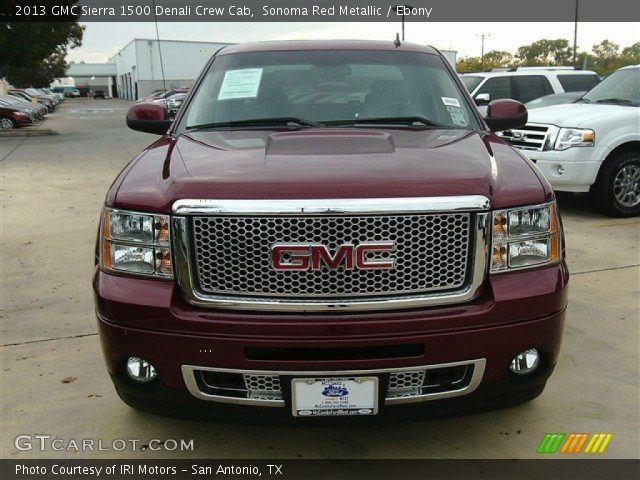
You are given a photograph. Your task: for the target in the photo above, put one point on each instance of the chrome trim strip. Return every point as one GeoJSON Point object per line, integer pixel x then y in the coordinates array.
{"type": "Point", "coordinates": [338, 206]}
{"type": "Point", "coordinates": [185, 275]}
{"type": "Point", "coordinates": [188, 373]}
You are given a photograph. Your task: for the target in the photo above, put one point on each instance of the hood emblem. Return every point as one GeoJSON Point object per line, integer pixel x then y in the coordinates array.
{"type": "Point", "coordinates": [313, 256]}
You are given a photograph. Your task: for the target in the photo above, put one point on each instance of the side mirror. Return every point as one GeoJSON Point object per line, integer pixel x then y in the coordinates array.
{"type": "Point", "coordinates": [506, 114]}
{"type": "Point", "coordinates": [482, 99]}
{"type": "Point", "coordinates": [148, 118]}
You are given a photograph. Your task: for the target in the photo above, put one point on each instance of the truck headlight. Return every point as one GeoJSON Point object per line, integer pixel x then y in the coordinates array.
{"type": "Point", "coordinates": [137, 243]}
{"type": "Point", "coordinates": [574, 137]}
{"type": "Point", "coordinates": [525, 237]}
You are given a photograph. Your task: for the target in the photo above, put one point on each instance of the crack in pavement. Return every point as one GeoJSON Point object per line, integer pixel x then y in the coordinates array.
{"type": "Point", "coordinates": [605, 269]}
{"type": "Point", "coordinates": [49, 339]}
{"type": "Point", "coordinates": [13, 150]}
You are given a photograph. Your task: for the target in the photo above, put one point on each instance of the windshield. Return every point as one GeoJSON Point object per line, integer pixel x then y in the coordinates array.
{"type": "Point", "coordinates": [471, 82]}
{"type": "Point", "coordinates": [315, 88]}
{"type": "Point", "coordinates": [622, 86]}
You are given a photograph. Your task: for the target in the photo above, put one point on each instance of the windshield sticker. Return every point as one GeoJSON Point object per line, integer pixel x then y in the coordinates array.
{"type": "Point", "coordinates": [240, 84]}
{"type": "Point", "coordinates": [457, 116]}
{"type": "Point", "coordinates": [453, 102]}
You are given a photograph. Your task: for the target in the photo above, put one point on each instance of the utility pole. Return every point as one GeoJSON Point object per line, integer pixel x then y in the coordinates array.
{"type": "Point", "coordinates": [482, 37]}
{"type": "Point", "coordinates": [575, 36]}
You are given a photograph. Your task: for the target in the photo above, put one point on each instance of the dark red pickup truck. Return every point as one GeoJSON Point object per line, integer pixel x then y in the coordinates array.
{"type": "Point", "coordinates": [329, 229]}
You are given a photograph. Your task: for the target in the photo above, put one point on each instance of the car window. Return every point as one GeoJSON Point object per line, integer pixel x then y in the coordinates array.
{"type": "Point", "coordinates": [471, 82]}
{"type": "Point", "coordinates": [578, 83]}
{"type": "Point", "coordinates": [328, 86]}
{"type": "Point", "coordinates": [497, 88]}
{"type": "Point", "coordinates": [532, 86]}
{"type": "Point", "coordinates": [621, 86]}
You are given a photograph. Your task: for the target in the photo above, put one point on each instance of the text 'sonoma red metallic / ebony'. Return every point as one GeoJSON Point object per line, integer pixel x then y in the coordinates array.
{"type": "Point", "coordinates": [329, 229]}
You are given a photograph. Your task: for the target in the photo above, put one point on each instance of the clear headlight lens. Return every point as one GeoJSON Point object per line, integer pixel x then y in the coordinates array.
{"type": "Point", "coordinates": [574, 137]}
{"type": "Point", "coordinates": [137, 243]}
{"type": "Point", "coordinates": [525, 237]}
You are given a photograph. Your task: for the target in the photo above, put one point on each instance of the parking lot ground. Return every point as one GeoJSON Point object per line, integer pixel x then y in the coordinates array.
{"type": "Point", "coordinates": [52, 189]}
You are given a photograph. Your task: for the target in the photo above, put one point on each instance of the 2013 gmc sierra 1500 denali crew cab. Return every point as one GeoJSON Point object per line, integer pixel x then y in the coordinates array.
{"type": "Point", "coordinates": [326, 229]}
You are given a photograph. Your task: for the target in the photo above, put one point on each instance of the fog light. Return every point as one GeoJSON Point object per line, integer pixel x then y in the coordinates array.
{"type": "Point", "coordinates": [140, 370]}
{"type": "Point", "coordinates": [525, 362]}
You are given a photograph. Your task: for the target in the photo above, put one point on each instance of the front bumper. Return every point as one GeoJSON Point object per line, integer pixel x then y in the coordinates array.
{"type": "Point", "coordinates": [571, 170]}
{"type": "Point", "coordinates": [149, 319]}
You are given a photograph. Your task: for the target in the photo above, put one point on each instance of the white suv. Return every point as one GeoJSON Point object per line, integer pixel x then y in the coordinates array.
{"type": "Point", "coordinates": [592, 145]}
{"type": "Point", "coordinates": [527, 83]}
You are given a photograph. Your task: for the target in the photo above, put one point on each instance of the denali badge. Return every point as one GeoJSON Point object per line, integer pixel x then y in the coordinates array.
{"type": "Point", "coordinates": [304, 256]}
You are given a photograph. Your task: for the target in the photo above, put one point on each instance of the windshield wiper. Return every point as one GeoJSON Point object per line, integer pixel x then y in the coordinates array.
{"type": "Point", "coordinates": [291, 122]}
{"type": "Point", "coordinates": [619, 101]}
{"type": "Point", "coordinates": [411, 121]}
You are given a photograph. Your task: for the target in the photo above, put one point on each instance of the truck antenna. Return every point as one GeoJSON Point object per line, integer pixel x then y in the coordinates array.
{"type": "Point", "coordinates": [396, 42]}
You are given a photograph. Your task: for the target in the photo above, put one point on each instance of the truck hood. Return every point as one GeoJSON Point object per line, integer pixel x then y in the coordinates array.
{"type": "Point", "coordinates": [328, 163]}
{"type": "Point", "coordinates": [576, 114]}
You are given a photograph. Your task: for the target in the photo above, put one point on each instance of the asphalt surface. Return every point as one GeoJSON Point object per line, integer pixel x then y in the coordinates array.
{"type": "Point", "coordinates": [54, 381]}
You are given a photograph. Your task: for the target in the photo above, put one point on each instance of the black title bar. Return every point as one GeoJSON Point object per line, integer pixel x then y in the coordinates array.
{"type": "Point", "coordinates": [320, 10]}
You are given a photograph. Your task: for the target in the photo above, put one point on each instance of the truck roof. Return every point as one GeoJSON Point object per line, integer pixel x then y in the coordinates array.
{"type": "Point", "coordinates": [282, 45]}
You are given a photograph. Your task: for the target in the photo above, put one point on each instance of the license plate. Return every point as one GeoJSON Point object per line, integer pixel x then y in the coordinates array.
{"type": "Point", "coordinates": [313, 397]}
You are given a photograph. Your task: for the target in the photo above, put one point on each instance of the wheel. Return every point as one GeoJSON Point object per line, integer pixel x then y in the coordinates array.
{"type": "Point", "coordinates": [617, 189]}
{"type": "Point", "coordinates": [7, 123]}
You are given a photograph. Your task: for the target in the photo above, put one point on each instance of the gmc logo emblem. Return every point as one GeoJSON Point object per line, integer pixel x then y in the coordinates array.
{"type": "Point", "coordinates": [304, 256]}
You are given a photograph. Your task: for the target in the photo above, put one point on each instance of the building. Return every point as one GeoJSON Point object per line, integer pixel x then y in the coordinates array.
{"type": "Point", "coordinates": [90, 76]}
{"type": "Point", "coordinates": [139, 67]}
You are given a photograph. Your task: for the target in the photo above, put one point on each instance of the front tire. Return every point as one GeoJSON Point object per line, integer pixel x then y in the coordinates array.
{"type": "Point", "coordinates": [7, 123]}
{"type": "Point", "coordinates": [617, 189]}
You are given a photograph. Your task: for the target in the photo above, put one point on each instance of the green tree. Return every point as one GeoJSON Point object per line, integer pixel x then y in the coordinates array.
{"type": "Point", "coordinates": [33, 53]}
{"type": "Point", "coordinates": [631, 54]}
{"type": "Point", "coordinates": [606, 49]}
{"type": "Point", "coordinates": [545, 52]}
{"type": "Point", "coordinates": [498, 58]}
{"type": "Point", "coordinates": [492, 59]}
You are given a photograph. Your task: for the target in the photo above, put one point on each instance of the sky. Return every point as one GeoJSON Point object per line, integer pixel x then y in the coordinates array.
{"type": "Point", "coordinates": [102, 40]}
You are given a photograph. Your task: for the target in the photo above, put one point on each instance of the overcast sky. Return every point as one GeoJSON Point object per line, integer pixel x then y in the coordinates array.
{"type": "Point", "coordinates": [102, 40]}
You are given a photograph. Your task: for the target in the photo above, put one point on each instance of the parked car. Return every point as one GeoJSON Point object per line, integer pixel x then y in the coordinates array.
{"type": "Point", "coordinates": [37, 109]}
{"type": "Point", "coordinates": [58, 95]}
{"type": "Point", "coordinates": [592, 145]}
{"type": "Point", "coordinates": [47, 102]}
{"type": "Point", "coordinates": [162, 96]}
{"type": "Point", "coordinates": [337, 221]}
{"type": "Point", "coordinates": [67, 91]}
{"type": "Point", "coordinates": [527, 83]}
{"type": "Point", "coordinates": [99, 94]}
{"type": "Point", "coordinates": [12, 116]}
{"type": "Point", "coordinates": [21, 107]}
{"type": "Point", "coordinates": [554, 99]}
{"type": "Point", "coordinates": [39, 93]}
{"type": "Point", "coordinates": [174, 102]}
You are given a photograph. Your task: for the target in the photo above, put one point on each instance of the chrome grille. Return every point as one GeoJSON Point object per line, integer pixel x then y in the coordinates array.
{"type": "Point", "coordinates": [402, 380]}
{"type": "Point", "coordinates": [233, 254]}
{"type": "Point", "coordinates": [530, 137]}
{"type": "Point", "coordinates": [262, 383]}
